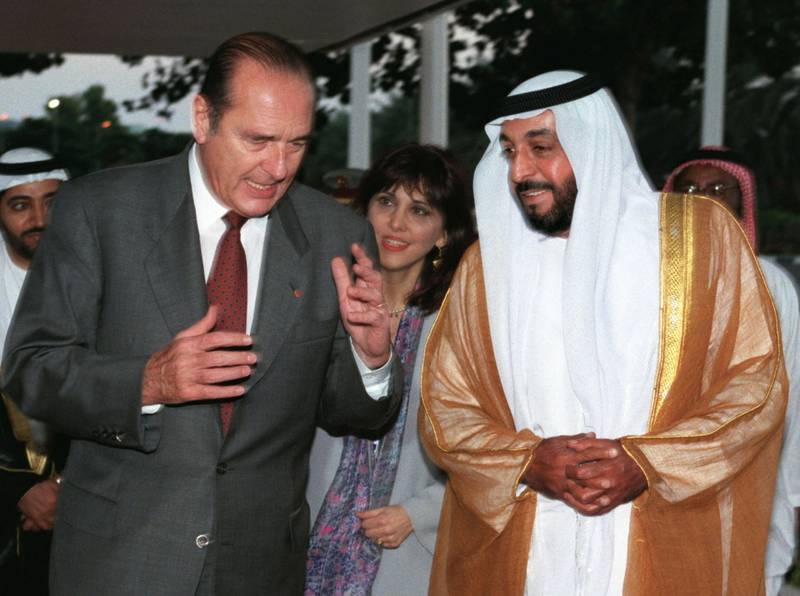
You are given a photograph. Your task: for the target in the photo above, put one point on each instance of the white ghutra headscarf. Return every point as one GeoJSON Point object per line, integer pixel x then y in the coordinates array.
{"type": "Point", "coordinates": [609, 309]}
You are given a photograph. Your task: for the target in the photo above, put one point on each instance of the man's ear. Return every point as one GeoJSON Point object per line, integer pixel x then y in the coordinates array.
{"type": "Point", "coordinates": [201, 119]}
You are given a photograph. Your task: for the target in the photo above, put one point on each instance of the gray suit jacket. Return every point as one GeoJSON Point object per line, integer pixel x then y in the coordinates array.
{"type": "Point", "coordinates": [418, 487]}
{"type": "Point", "coordinates": [148, 501]}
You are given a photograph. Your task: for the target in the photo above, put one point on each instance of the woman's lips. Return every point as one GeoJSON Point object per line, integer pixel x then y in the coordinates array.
{"type": "Point", "coordinates": [394, 245]}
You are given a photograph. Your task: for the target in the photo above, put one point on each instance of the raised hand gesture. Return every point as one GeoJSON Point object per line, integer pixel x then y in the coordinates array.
{"type": "Point", "coordinates": [362, 309]}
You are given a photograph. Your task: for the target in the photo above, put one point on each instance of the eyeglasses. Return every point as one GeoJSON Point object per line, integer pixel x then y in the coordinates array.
{"type": "Point", "coordinates": [712, 190]}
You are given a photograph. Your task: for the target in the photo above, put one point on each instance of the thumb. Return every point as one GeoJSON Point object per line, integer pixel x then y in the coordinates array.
{"type": "Point", "coordinates": [204, 325]}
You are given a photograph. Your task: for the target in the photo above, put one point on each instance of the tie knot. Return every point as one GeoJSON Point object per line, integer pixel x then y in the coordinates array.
{"type": "Point", "coordinates": [234, 220]}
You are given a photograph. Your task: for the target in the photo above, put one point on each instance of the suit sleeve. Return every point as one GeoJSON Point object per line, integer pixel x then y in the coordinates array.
{"type": "Point", "coordinates": [346, 406]}
{"type": "Point", "coordinates": [52, 368]}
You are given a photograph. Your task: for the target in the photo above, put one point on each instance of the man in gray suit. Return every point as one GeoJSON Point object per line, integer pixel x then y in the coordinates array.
{"type": "Point", "coordinates": [115, 345]}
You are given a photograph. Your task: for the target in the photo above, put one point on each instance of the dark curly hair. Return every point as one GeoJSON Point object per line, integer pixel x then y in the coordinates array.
{"type": "Point", "coordinates": [435, 173]}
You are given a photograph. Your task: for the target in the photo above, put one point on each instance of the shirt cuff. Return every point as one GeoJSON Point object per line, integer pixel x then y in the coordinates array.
{"type": "Point", "coordinates": [376, 382]}
{"type": "Point", "coordinates": [155, 408]}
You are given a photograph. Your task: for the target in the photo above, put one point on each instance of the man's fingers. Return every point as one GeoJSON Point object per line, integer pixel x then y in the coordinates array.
{"type": "Point", "coordinates": [598, 451]}
{"type": "Point", "coordinates": [576, 442]}
{"type": "Point", "coordinates": [202, 326]}
{"type": "Point", "coordinates": [371, 296]}
{"type": "Point", "coordinates": [583, 494]}
{"type": "Point", "coordinates": [593, 471]}
{"type": "Point", "coordinates": [595, 508]}
{"type": "Point", "coordinates": [222, 339]}
{"type": "Point", "coordinates": [211, 376]}
{"type": "Point", "coordinates": [582, 443]}
{"type": "Point", "coordinates": [341, 277]}
{"type": "Point", "coordinates": [200, 392]}
{"type": "Point", "coordinates": [217, 358]}
{"type": "Point", "coordinates": [367, 274]}
{"type": "Point", "coordinates": [369, 316]}
{"type": "Point", "coordinates": [361, 256]}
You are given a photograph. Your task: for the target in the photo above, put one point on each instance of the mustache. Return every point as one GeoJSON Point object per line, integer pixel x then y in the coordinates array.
{"type": "Point", "coordinates": [28, 232]}
{"type": "Point", "coordinates": [533, 185]}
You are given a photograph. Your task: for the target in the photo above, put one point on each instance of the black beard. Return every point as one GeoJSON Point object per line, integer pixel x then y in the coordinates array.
{"type": "Point", "coordinates": [559, 217]}
{"type": "Point", "coordinates": [17, 244]}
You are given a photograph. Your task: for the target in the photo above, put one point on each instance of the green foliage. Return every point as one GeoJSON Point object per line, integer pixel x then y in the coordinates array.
{"type": "Point", "coordinates": [84, 132]}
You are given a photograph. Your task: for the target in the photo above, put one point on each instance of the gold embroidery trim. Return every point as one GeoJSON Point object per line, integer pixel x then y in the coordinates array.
{"type": "Point", "coordinates": [677, 253]}
{"type": "Point", "coordinates": [683, 201]}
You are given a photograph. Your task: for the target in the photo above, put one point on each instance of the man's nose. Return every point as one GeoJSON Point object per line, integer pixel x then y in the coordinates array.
{"type": "Point", "coordinates": [39, 214]}
{"type": "Point", "coordinates": [274, 163]}
{"type": "Point", "coordinates": [522, 168]}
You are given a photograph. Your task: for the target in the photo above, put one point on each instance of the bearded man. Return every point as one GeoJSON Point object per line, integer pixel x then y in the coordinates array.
{"type": "Point", "coordinates": [726, 176]}
{"type": "Point", "coordinates": [30, 456]}
{"type": "Point", "coordinates": [604, 385]}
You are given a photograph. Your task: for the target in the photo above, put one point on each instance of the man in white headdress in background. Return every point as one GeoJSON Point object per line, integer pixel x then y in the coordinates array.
{"type": "Point", "coordinates": [29, 456]}
{"type": "Point", "coordinates": [604, 384]}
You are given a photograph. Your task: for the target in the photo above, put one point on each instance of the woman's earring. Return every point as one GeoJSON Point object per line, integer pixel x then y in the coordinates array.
{"type": "Point", "coordinates": [439, 258]}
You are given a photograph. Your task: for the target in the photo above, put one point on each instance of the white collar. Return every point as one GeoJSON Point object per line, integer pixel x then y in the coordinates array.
{"type": "Point", "coordinates": [209, 209]}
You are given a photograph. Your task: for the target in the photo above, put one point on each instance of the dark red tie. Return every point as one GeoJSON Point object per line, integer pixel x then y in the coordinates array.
{"type": "Point", "coordinates": [227, 288]}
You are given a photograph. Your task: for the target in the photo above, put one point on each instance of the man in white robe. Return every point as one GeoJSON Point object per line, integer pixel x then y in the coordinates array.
{"type": "Point", "coordinates": [620, 377]}
{"type": "Point", "coordinates": [29, 457]}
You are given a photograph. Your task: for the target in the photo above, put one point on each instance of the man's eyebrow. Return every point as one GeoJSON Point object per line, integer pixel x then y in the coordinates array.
{"type": "Point", "coordinates": [266, 138]}
{"type": "Point", "coordinates": [540, 132]}
{"type": "Point", "coordinates": [534, 132]}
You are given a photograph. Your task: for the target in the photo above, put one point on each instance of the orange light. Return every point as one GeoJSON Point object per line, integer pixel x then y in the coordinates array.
{"type": "Point", "coordinates": [106, 124]}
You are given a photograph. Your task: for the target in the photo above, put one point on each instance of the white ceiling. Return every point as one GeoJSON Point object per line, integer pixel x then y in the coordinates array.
{"type": "Point", "coordinates": [194, 27]}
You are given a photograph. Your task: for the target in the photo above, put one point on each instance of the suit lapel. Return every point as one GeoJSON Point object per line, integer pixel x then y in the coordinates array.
{"type": "Point", "coordinates": [175, 264]}
{"type": "Point", "coordinates": [284, 277]}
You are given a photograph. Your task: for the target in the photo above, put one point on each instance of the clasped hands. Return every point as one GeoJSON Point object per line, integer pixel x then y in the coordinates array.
{"type": "Point", "coordinates": [199, 364]}
{"type": "Point", "coordinates": [591, 475]}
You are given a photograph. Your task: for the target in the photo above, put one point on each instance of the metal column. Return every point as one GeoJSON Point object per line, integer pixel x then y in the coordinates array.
{"type": "Point", "coordinates": [713, 118]}
{"type": "Point", "coordinates": [358, 134]}
{"type": "Point", "coordinates": [435, 79]}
